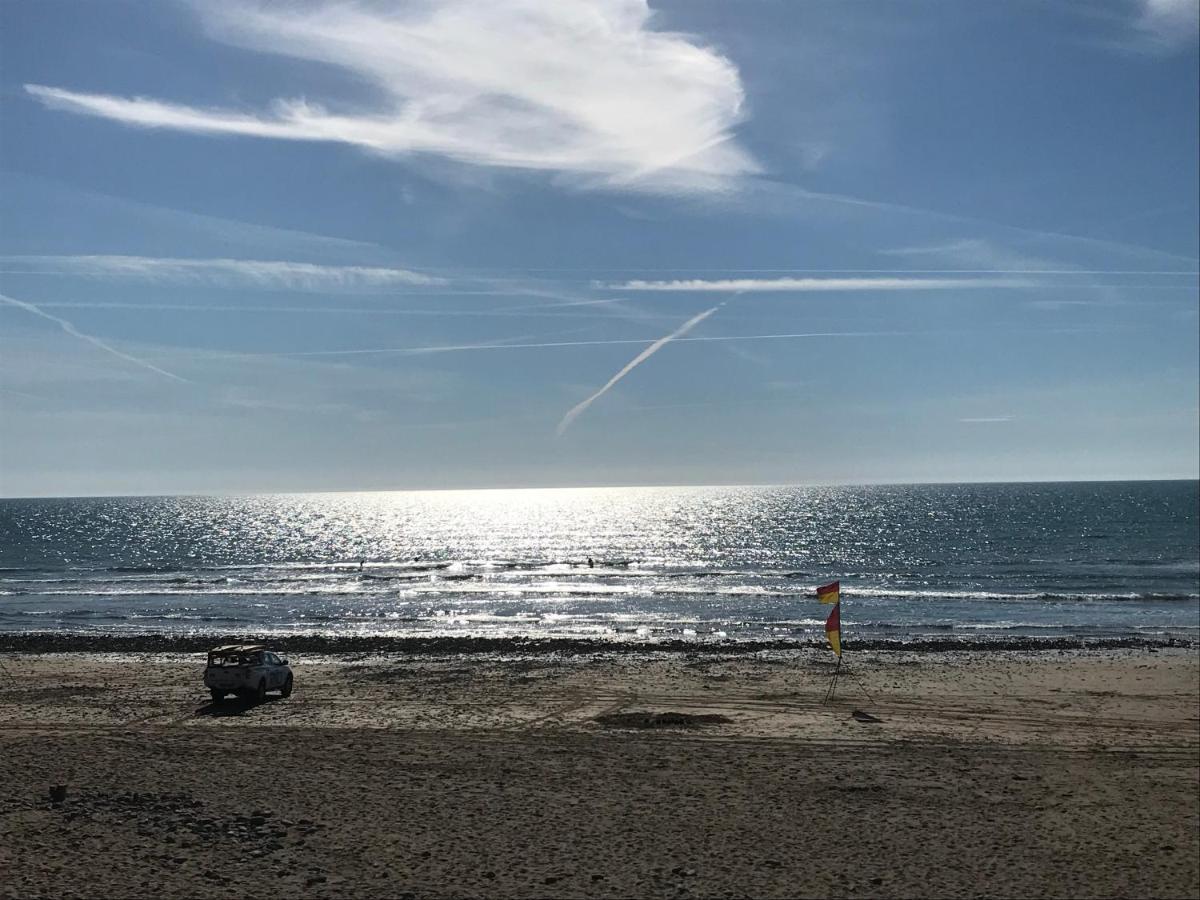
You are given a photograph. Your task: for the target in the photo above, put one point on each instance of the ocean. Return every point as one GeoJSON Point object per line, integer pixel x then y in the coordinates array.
{"type": "Point", "coordinates": [984, 561]}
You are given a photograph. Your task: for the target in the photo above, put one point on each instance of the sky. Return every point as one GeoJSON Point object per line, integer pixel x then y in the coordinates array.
{"type": "Point", "coordinates": [253, 247]}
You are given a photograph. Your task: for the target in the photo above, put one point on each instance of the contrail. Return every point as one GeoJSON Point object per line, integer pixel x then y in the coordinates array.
{"type": "Point", "coordinates": [75, 332]}
{"type": "Point", "coordinates": [802, 285]}
{"type": "Point", "coordinates": [574, 412]}
{"type": "Point", "coordinates": [263, 273]}
{"type": "Point", "coordinates": [546, 345]}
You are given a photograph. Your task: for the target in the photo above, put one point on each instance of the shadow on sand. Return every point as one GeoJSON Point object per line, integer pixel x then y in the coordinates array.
{"type": "Point", "coordinates": [234, 706]}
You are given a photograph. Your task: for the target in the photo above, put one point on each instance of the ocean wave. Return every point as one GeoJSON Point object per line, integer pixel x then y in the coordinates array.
{"type": "Point", "coordinates": [1001, 596]}
{"type": "Point", "coordinates": [467, 585]}
{"type": "Point", "coordinates": [146, 569]}
{"type": "Point", "coordinates": [80, 613]}
{"type": "Point", "coordinates": [649, 631]}
{"type": "Point", "coordinates": [1003, 583]}
{"type": "Point", "coordinates": [222, 592]}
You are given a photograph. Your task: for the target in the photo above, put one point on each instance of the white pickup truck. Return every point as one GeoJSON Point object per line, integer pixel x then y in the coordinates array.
{"type": "Point", "coordinates": [246, 669]}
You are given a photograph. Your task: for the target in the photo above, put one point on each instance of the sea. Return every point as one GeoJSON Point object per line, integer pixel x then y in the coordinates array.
{"type": "Point", "coordinates": [978, 561]}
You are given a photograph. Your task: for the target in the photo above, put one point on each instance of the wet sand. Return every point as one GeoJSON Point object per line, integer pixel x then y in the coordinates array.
{"type": "Point", "coordinates": [552, 774]}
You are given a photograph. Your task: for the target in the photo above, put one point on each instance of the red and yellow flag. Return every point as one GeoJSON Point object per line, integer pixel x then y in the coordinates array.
{"type": "Point", "coordinates": [833, 628]}
{"type": "Point", "coordinates": [830, 593]}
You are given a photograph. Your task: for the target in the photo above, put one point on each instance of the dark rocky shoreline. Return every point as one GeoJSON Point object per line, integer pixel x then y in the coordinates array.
{"type": "Point", "coordinates": [57, 642]}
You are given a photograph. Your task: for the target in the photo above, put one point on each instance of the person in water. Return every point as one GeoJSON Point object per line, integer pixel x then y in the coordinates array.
{"type": "Point", "coordinates": [591, 564]}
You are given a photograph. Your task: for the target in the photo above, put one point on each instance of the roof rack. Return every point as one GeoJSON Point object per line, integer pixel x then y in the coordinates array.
{"type": "Point", "coordinates": [238, 648]}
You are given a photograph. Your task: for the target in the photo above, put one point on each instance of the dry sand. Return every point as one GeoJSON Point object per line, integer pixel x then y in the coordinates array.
{"type": "Point", "coordinates": [988, 774]}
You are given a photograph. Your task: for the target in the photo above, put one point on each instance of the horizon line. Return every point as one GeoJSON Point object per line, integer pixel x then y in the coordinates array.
{"type": "Point", "coordinates": [589, 487]}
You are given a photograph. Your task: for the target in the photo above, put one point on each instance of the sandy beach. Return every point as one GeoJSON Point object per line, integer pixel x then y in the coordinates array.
{"type": "Point", "coordinates": [593, 774]}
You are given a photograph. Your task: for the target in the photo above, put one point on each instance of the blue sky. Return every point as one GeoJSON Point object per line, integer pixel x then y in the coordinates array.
{"type": "Point", "coordinates": [336, 246]}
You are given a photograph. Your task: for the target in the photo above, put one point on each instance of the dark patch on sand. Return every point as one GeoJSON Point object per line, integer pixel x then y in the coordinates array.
{"type": "Point", "coordinates": [399, 674]}
{"type": "Point", "coordinates": [660, 720]}
{"type": "Point", "coordinates": [56, 642]}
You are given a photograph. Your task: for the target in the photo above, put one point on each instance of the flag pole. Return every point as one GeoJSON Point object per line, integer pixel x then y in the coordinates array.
{"type": "Point", "coordinates": [831, 593]}
{"type": "Point", "coordinates": [841, 648]}
{"type": "Point", "coordinates": [841, 644]}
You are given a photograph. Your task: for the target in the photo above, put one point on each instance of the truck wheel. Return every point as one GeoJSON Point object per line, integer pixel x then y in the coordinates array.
{"type": "Point", "coordinates": [286, 690]}
{"type": "Point", "coordinates": [217, 696]}
{"type": "Point", "coordinates": [261, 694]}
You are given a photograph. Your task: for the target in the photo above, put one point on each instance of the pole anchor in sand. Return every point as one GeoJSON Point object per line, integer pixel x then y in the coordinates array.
{"type": "Point", "coordinates": [832, 689]}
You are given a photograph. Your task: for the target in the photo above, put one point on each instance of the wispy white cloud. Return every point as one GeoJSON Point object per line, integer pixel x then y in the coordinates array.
{"type": "Point", "coordinates": [984, 420]}
{"type": "Point", "coordinates": [24, 395]}
{"type": "Point", "coordinates": [981, 254]}
{"type": "Point", "coordinates": [1170, 24]}
{"type": "Point", "coordinates": [161, 226]}
{"type": "Point", "coordinates": [95, 341]}
{"type": "Point", "coordinates": [1145, 26]}
{"type": "Point", "coordinates": [280, 274]}
{"type": "Point", "coordinates": [752, 285]}
{"type": "Point", "coordinates": [764, 196]}
{"type": "Point", "coordinates": [584, 87]}
{"type": "Point", "coordinates": [577, 410]}
{"type": "Point", "coordinates": [516, 312]}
